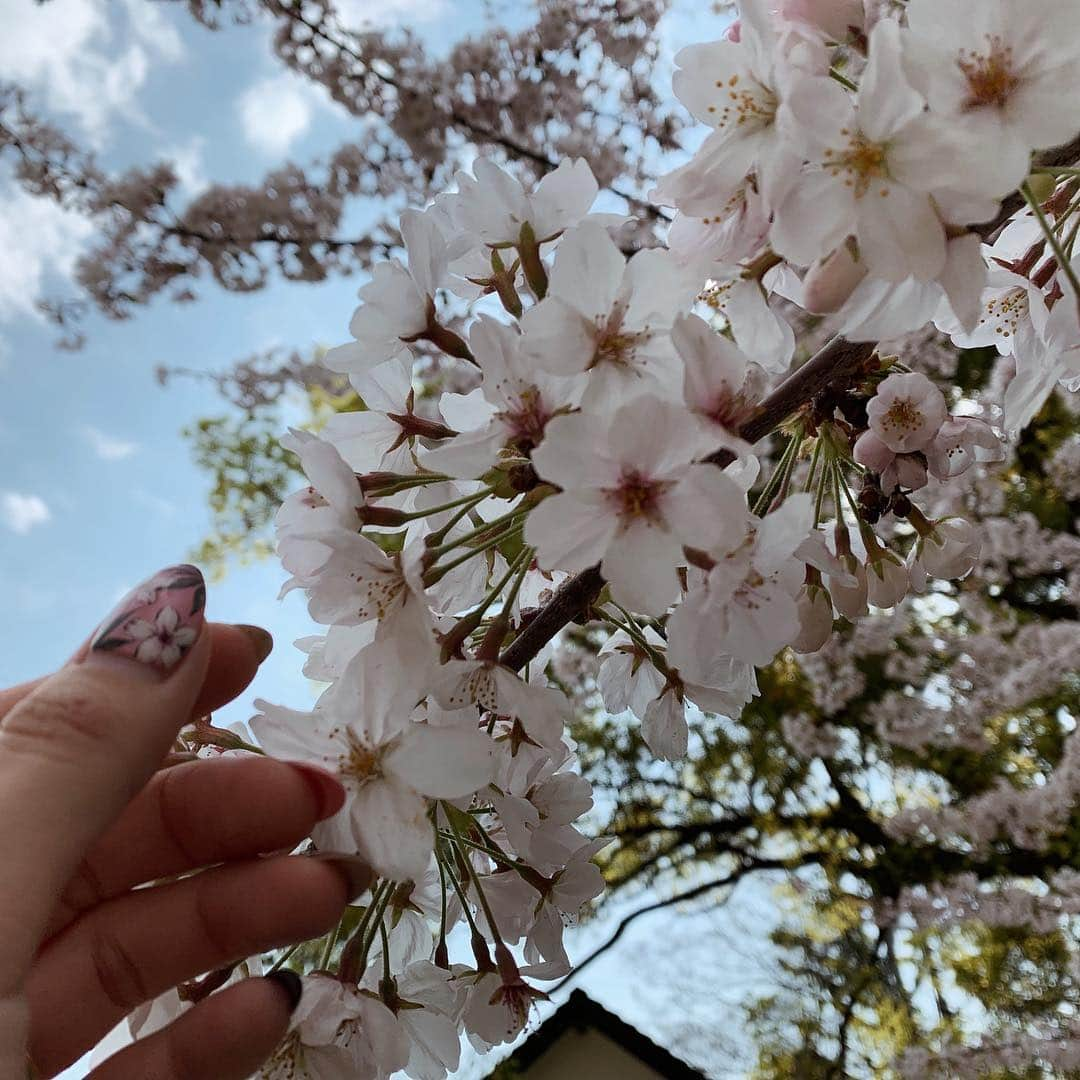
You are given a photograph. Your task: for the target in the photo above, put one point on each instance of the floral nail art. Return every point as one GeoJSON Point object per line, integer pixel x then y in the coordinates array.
{"type": "Point", "coordinates": [158, 621]}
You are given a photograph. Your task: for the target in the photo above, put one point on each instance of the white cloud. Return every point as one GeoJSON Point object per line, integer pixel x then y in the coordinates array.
{"type": "Point", "coordinates": [84, 58]}
{"type": "Point", "coordinates": [108, 447]}
{"type": "Point", "coordinates": [276, 111]}
{"type": "Point", "coordinates": [37, 239]}
{"type": "Point", "coordinates": [187, 160]}
{"type": "Point", "coordinates": [22, 512]}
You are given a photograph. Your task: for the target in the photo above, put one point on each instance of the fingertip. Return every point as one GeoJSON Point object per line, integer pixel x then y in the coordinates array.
{"type": "Point", "coordinates": [262, 642]}
{"type": "Point", "coordinates": [290, 985]}
{"type": "Point", "coordinates": [235, 655]}
{"type": "Point", "coordinates": [227, 1036]}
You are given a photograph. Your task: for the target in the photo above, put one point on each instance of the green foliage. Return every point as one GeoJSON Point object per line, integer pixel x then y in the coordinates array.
{"type": "Point", "coordinates": [251, 473]}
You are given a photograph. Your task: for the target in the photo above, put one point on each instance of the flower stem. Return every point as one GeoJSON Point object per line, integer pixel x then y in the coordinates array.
{"type": "Point", "coordinates": [1063, 261]}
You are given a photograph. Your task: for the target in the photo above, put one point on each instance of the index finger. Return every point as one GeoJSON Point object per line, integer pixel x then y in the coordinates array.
{"type": "Point", "coordinates": [236, 650]}
{"type": "Point", "coordinates": [77, 748]}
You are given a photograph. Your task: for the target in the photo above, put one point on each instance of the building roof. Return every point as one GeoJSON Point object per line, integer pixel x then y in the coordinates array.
{"type": "Point", "coordinates": [580, 1013]}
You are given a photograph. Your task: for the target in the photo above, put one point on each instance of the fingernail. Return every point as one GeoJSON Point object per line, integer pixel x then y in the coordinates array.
{"type": "Point", "coordinates": [329, 793]}
{"type": "Point", "coordinates": [291, 983]}
{"type": "Point", "coordinates": [157, 622]}
{"type": "Point", "coordinates": [358, 875]}
{"type": "Point", "coordinates": [260, 639]}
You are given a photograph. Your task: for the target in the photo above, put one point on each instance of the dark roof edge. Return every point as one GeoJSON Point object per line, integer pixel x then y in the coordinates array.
{"type": "Point", "coordinates": [579, 1012]}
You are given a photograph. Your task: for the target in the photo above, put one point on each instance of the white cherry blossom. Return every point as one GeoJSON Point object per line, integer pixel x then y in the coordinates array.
{"type": "Point", "coordinates": [870, 173]}
{"type": "Point", "coordinates": [629, 499]}
{"type": "Point", "coordinates": [361, 730]}
{"type": "Point", "coordinates": [1002, 74]}
{"type": "Point", "coordinates": [398, 302]}
{"type": "Point", "coordinates": [494, 205]}
{"type": "Point", "coordinates": [609, 316]}
{"type": "Point", "coordinates": [746, 606]}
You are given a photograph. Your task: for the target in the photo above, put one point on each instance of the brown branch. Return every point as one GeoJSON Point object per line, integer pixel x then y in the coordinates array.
{"type": "Point", "coordinates": [836, 363]}
{"type": "Point", "coordinates": [571, 598]}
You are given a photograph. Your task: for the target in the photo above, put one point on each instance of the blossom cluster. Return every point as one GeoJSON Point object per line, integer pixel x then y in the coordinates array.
{"type": "Point", "coordinates": [603, 429]}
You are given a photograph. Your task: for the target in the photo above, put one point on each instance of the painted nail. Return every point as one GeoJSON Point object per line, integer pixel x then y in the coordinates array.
{"type": "Point", "coordinates": [358, 875]}
{"type": "Point", "coordinates": [329, 793]}
{"type": "Point", "coordinates": [157, 622]}
{"type": "Point", "coordinates": [260, 639]}
{"type": "Point", "coordinates": [291, 983]}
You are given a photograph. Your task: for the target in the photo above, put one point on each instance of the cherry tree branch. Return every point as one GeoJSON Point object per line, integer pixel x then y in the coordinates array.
{"type": "Point", "coordinates": [835, 364]}
{"type": "Point", "coordinates": [733, 878]}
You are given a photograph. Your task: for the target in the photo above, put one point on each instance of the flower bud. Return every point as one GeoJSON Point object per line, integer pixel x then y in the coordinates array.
{"type": "Point", "coordinates": [815, 619]}
{"type": "Point", "coordinates": [831, 280]}
{"type": "Point", "coordinates": [950, 550]}
{"type": "Point", "coordinates": [850, 600]}
{"type": "Point", "coordinates": [886, 579]}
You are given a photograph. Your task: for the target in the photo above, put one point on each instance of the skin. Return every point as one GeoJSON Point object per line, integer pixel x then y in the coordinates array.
{"type": "Point", "coordinates": [90, 811]}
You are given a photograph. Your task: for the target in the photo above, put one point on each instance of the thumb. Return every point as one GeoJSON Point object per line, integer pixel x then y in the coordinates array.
{"type": "Point", "coordinates": [75, 750]}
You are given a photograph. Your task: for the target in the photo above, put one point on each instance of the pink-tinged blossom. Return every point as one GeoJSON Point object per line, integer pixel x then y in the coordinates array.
{"type": "Point", "coordinates": [906, 471]}
{"type": "Point", "coordinates": [907, 412]}
{"type": "Point", "coordinates": [508, 412]}
{"type": "Point", "coordinates": [736, 87]}
{"type": "Point", "coordinates": [960, 442]}
{"type": "Point", "coordinates": [871, 172]}
{"type": "Point", "coordinates": [361, 730]}
{"type": "Point", "coordinates": [1001, 77]}
{"type": "Point", "coordinates": [608, 316]}
{"type": "Point", "coordinates": [719, 384]}
{"type": "Point", "coordinates": [629, 498]}
{"type": "Point", "coordinates": [746, 606]}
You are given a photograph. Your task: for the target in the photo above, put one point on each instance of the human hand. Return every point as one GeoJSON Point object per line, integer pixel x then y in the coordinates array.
{"type": "Point", "coordinates": [89, 813]}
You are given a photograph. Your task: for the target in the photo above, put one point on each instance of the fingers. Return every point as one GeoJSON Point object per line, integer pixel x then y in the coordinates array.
{"type": "Point", "coordinates": [235, 655]}
{"type": "Point", "coordinates": [198, 814]}
{"type": "Point", "coordinates": [11, 697]}
{"type": "Point", "coordinates": [227, 1036]}
{"type": "Point", "coordinates": [80, 745]}
{"type": "Point", "coordinates": [133, 948]}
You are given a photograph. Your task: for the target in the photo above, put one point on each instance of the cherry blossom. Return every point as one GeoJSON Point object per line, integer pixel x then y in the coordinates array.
{"type": "Point", "coordinates": [1004, 76]}
{"type": "Point", "coordinates": [907, 412]}
{"type": "Point", "coordinates": [870, 175]}
{"type": "Point", "coordinates": [628, 499]}
{"type": "Point", "coordinates": [609, 316]}
{"type": "Point", "coordinates": [361, 730]}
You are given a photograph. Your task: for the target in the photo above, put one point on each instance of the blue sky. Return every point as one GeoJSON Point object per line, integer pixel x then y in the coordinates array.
{"type": "Point", "coordinates": [97, 489]}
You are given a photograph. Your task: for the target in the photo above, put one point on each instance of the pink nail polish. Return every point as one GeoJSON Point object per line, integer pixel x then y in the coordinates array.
{"type": "Point", "coordinates": [158, 621]}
